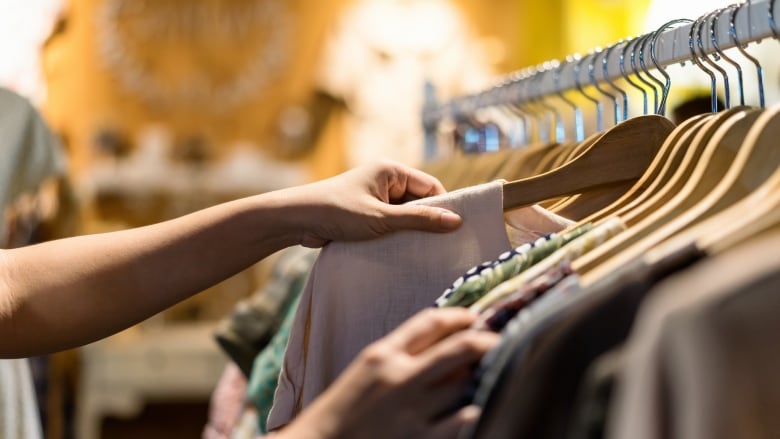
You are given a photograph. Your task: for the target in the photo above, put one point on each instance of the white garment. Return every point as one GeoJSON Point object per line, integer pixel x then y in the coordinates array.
{"type": "Point", "coordinates": [359, 292]}
{"type": "Point", "coordinates": [18, 409]}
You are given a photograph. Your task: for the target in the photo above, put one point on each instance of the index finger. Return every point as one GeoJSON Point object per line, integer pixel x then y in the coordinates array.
{"type": "Point", "coordinates": [428, 327]}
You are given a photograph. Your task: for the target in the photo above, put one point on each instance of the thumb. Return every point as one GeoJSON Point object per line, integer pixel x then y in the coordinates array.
{"type": "Point", "coordinates": [417, 217]}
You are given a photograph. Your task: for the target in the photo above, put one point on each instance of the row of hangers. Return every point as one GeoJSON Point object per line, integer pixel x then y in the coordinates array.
{"type": "Point", "coordinates": [713, 180]}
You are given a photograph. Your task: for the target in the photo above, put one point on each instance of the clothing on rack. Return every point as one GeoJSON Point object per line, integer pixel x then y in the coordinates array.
{"type": "Point", "coordinates": [706, 340]}
{"type": "Point", "coordinates": [358, 292]}
{"type": "Point", "coordinates": [484, 277]}
{"type": "Point", "coordinates": [579, 238]}
{"type": "Point", "coordinates": [548, 352]}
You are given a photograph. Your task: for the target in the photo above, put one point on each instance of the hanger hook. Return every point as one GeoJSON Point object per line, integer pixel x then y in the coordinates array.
{"type": "Point", "coordinates": [741, 48]}
{"type": "Point", "coordinates": [515, 105]}
{"type": "Point", "coordinates": [634, 54]}
{"type": "Point", "coordinates": [557, 121]}
{"type": "Point", "coordinates": [654, 58]}
{"type": "Point", "coordinates": [643, 65]}
{"type": "Point", "coordinates": [522, 103]}
{"type": "Point", "coordinates": [605, 72]}
{"type": "Point", "coordinates": [716, 45]}
{"type": "Point", "coordinates": [599, 108]}
{"type": "Point", "coordinates": [538, 102]}
{"type": "Point", "coordinates": [592, 76]}
{"type": "Point", "coordinates": [726, 87]}
{"type": "Point", "coordinates": [579, 128]}
{"type": "Point", "coordinates": [627, 77]}
{"type": "Point", "coordinates": [695, 59]}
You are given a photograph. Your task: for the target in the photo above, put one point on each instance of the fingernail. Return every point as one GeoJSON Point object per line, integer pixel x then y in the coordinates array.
{"type": "Point", "coordinates": [449, 220]}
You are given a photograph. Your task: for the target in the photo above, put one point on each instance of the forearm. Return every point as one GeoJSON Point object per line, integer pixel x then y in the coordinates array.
{"type": "Point", "coordinates": [70, 292]}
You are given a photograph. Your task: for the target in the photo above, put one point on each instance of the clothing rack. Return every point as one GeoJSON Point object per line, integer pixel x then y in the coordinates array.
{"type": "Point", "coordinates": [752, 23]}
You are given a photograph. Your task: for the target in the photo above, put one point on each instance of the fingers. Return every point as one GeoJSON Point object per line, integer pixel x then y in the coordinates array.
{"type": "Point", "coordinates": [407, 183]}
{"type": "Point", "coordinates": [428, 327]}
{"type": "Point", "coordinates": [417, 217]}
{"type": "Point", "coordinates": [451, 426]}
{"type": "Point", "coordinates": [420, 184]}
{"type": "Point", "coordinates": [457, 352]}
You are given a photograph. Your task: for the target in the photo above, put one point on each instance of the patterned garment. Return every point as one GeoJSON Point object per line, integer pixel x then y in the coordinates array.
{"type": "Point", "coordinates": [568, 253]}
{"type": "Point", "coordinates": [484, 277]}
{"type": "Point", "coordinates": [267, 366]}
{"type": "Point", "coordinates": [501, 312]}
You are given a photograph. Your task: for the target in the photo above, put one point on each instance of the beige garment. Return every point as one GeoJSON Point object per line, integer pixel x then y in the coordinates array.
{"type": "Point", "coordinates": [703, 360]}
{"type": "Point", "coordinates": [358, 292]}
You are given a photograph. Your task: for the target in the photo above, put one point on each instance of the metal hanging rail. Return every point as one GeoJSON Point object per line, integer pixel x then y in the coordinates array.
{"type": "Point", "coordinates": [753, 22]}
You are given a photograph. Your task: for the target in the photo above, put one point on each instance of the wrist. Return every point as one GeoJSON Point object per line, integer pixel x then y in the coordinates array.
{"type": "Point", "coordinates": [288, 213]}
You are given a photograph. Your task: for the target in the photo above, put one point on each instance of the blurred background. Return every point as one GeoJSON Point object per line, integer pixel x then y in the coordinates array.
{"type": "Point", "coordinates": [167, 106]}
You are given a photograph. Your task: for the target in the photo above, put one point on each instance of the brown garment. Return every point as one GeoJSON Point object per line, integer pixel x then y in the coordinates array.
{"type": "Point", "coordinates": [703, 360]}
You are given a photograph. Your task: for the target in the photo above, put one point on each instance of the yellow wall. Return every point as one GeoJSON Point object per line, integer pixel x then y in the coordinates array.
{"type": "Point", "coordinates": [85, 94]}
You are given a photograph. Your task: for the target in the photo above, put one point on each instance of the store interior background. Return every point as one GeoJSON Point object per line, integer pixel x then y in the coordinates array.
{"type": "Point", "coordinates": [168, 106]}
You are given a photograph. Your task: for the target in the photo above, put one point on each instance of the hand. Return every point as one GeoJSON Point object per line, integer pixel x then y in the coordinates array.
{"type": "Point", "coordinates": [361, 204]}
{"type": "Point", "coordinates": [403, 385]}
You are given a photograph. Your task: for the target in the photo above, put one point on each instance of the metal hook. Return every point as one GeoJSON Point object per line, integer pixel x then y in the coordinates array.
{"type": "Point", "coordinates": [694, 58]}
{"type": "Point", "coordinates": [557, 121]}
{"type": "Point", "coordinates": [605, 72]}
{"type": "Point", "coordinates": [592, 76]}
{"type": "Point", "coordinates": [643, 65]}
{"type": "Point", "coordinates": [542, 126]}
{"type": "Point", "coordinates": [635, 69]}
{"type": "Point", "coordinates": [512, 100]}
{"type": "Point", "coordinates": [716, 45]}
{"type": "Point", "coordinates": [735, 39]}
{"type": "Point", "coordinates": [518, 103]}
{"type": "Point", "coordinates": [706, 58]}
{"type": "Point", "coordinates": [626, 76]}
{"type": "Point", "coordinates": [654, 58]}
{"type": "Point", "coordinates": [599, 108]}
{"type": "Point", "coordinates": [579, 127]}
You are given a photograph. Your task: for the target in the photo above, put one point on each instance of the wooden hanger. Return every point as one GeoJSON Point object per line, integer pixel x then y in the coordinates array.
{"type": "Point", "coordinates": [622, 155]}
{"type": "Point", "coordinates": [692, 202]}
{"type": "Point", "coordinates": [522, 164]}
{"type": "Point", "coordinates": [658, 174]}
{"type": "Point", "coordinates": [759, 178]}
{"type": "Point", "coordinates": [567, 157]}
{"type": "Point", "coordinates": [682, 165]}
{"type": "Point", "coordinates": [546, 163]}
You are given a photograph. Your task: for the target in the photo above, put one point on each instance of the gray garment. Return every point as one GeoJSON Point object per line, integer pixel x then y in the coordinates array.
{"type": "Point", "coordinates": [29, 152]}
{"type": "Point", "coordinates": [702, 361]}
{"type": "Point", "coordinates": [29, 155]}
